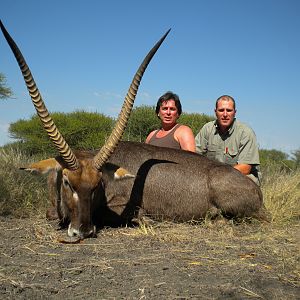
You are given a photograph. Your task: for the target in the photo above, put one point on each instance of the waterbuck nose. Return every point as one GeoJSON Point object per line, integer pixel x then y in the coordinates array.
{"type": "Point", "coordinates": [87, 231]}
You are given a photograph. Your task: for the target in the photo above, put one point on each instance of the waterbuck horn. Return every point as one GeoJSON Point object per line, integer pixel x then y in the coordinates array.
{"type": "Point", "coordinates": [53, 133]}
{"type": "Point", "coordinates": [116, 135]}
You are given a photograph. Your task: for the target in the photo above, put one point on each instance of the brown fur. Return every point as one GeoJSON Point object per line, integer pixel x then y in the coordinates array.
{"type": "Point", "coordinates": [167, 184]}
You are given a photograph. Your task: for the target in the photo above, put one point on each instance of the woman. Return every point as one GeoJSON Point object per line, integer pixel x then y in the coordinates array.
{"type": "Point", "coordinates": [171, 134]}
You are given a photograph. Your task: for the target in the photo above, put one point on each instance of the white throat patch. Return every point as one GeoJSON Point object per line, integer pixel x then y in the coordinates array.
{"type": "Point", "coordinates": [75, 196]}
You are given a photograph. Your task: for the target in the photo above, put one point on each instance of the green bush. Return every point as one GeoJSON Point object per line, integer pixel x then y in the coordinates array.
{"type": "Point", "coordinates": [275, 160]}
{"type": "Point", "coordinates": [142, 121]}
{"type": "Point", "coordinates": [194, 121]}
{"type": "Point", "coordinates": [81, 130]}
{"type": "Point", "coordinates": [296, 158]}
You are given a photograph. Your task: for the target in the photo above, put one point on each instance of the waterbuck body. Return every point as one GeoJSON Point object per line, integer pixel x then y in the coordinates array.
{"type": "Point", "coordinates": [177, 185]}
{"type": "Point", "coordinates": [162, 183]}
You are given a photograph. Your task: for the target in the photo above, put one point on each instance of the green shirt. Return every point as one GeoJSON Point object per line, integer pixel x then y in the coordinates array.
{"type": "Point", "coordinates": [237, 146]}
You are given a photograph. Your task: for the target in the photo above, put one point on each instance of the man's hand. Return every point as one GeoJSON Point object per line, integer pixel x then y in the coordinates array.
{"type": "Point", "coordinates": [243, 168]}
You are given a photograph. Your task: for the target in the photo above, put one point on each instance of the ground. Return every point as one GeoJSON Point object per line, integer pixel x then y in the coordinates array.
{"type": "Point", "coordinates": [161, 261]}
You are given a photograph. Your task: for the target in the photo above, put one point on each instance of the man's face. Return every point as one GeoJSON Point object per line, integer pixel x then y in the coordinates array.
{"type": "Point", "coordinates": [225, 114]}
{"type": "Point", "coordinates": [168, 112]}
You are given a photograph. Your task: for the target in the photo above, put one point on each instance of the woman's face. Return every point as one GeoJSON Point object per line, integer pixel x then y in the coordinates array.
{"type": "Point", "coordinates": [168, 112]}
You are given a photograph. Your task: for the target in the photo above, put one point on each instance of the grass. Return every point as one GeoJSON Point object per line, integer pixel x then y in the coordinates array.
{"type": "Point", "coordinates": [281, 190]}
{"type": "Point", "coordinates": [21, 194]}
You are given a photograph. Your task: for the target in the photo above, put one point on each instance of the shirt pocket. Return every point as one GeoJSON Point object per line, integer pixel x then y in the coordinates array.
{"type": "Point", "coordinates": [231, 156]}
{"type": "Point", "coordinates": [212, 152]}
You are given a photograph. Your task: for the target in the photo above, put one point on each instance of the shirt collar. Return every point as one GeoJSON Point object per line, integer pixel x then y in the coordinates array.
{"type": "Point", "coordinates": [230, 130]}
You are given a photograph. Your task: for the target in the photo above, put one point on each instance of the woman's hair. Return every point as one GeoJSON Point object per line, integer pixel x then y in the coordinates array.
{"type": "Point", "coordinates": [166, 97]}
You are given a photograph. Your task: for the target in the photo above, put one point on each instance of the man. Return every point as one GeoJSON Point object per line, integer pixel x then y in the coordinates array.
{"type": "Point", "coordinates": [230, 141]}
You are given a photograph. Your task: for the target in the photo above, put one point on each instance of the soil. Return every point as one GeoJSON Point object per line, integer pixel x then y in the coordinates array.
{"type": "Point", "coordinates": [160, 261]}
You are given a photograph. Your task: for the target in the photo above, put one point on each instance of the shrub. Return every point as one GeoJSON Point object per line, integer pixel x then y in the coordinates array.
{"type": "Point", "coordinates": [142, 121]}
{"type": "Point", "coordinates": [81, 130]}
{"type": "Point", "coordinates": [194, 121]}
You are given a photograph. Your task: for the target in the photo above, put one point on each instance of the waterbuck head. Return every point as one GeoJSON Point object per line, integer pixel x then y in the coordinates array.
{"type": "Point", "coordinates": [78, 174]}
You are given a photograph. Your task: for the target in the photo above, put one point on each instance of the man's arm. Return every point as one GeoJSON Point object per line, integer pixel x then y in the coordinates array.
{"type": "Point", "coordinates": [248, 152]}
{"type": "Point", "coordinates": [201, 141]}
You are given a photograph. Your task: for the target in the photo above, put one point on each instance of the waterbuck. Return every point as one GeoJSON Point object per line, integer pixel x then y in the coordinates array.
{"type": "Point", "coordinates": [125, 180]}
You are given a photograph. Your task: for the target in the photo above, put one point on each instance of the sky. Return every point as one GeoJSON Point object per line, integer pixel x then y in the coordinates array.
{"type": "Point", "coordinates": [84, 54]}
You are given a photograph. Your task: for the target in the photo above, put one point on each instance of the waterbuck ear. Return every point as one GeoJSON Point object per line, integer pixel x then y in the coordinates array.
{"type": "Point", "coordinates": [122, 173]}
{"type": "Point", "coordinates": [43, 166]}
{"type": "Point", "coordinates": [116, 172]}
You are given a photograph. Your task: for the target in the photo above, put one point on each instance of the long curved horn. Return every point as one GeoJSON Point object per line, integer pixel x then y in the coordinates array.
{"type": "Point", "coordinates": [53, 133]}
{"type": "Point", "coordinates": [114, 138]}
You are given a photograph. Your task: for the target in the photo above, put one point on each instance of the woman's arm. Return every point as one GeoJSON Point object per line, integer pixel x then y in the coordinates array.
{"type": "Point", "coordinates": [184, 135]}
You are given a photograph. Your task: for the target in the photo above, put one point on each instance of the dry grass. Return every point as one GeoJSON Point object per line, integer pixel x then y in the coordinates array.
{"type": "Point", "coordinates": [281, 190]}
{"type": "Point", "coordinates": [20, 194]}
{"type": "Point", "coordinates": [248, 260]}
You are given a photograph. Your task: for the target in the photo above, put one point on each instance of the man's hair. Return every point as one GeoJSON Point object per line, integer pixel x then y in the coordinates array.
{"type": "Point", "coordinates": [226, 98]}
{"type": "Point", "coordinates": [166, 97]}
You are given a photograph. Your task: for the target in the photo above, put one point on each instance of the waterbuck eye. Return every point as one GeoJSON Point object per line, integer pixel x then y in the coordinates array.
{"type": "Point", "coordinates": [66, 182]}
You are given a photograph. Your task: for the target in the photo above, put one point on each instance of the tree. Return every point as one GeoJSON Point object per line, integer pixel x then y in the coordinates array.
{"type": "Point", "coordinates": [81, 130]}
{"type": "Point", "coordinates": [275, 159]}
{"type": "Point", "coordinates": [272, 155]}
{"type": "Point", "coordinates": [194, 121]}
{"type": "Point", "coordinates": [296, 157]}
{"type": "Point", "coordinates": [142, 121]}
{"type": "Point", "coordinates": [5, 92]}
